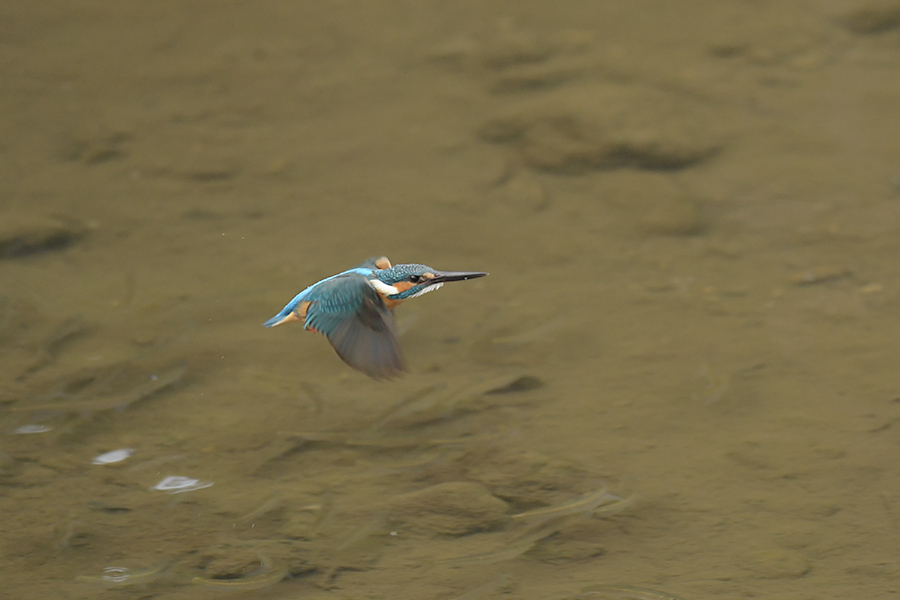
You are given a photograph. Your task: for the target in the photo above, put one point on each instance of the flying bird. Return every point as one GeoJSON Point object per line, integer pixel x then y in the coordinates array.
{"type": "Point", "coordinates": [355, 310]}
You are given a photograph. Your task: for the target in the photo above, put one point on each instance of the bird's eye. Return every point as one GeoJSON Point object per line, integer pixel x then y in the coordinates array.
{"type": "Point", "coordinates": [415, 278]}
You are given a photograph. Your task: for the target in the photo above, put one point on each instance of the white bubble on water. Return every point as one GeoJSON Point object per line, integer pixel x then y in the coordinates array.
{"type": "Point", "coordinates": [31, 428]}
{"type": "Point", "coordinates": [176, 484]}
{"type": "Point", "coordinates": [113, 456]}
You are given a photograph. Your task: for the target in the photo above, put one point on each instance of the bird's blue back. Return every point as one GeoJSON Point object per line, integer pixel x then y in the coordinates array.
{"type": "Point", "coordinates": [313, 292]}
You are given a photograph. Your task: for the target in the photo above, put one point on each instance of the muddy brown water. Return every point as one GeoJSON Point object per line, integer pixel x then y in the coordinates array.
{"type": "Point", "coordinates": [690, 216]}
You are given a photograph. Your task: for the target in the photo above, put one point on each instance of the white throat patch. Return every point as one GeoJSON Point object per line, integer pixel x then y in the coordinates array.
{"type": "Point", "coordinates": [430, 288]}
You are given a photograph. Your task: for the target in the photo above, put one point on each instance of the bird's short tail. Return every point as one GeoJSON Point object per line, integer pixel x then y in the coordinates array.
{"type": "Point", "coordinates": [284, 316]}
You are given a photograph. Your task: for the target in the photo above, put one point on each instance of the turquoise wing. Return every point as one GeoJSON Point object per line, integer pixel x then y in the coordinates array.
{"type": "Point", "coordinates": [352, 315]}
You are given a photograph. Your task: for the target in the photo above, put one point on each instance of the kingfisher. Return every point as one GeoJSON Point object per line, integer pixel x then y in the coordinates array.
{"type": "Point", "coordinates": [355, 310]}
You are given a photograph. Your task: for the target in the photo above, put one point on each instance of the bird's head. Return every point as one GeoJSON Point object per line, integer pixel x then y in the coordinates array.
{"type": "Point", "coordinates": [402, 282]}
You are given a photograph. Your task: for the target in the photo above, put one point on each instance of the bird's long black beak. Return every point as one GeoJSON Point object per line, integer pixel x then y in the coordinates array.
{"type": "Point", "coordinates": [442, 276]}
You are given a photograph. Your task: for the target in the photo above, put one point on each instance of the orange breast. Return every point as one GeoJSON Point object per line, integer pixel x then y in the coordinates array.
{"type": "Point", "coordinates": [391, 304]}
{"type": "Point", "coordinates": [401, 287]}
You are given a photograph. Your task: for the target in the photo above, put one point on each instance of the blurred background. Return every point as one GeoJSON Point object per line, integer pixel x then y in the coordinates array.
{"type": "Point", "coordinates": [680, 375]}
